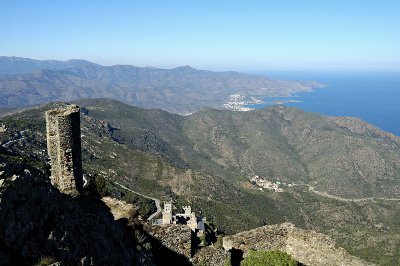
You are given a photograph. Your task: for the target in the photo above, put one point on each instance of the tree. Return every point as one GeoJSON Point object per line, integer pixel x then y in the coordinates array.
{"type": "Point", "coordinates": [268, 258]}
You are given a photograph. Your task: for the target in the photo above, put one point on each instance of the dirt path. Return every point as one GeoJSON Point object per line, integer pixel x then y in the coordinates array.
{"type": "Point", "coordinates": [324, 194]}
{"type": "Point", "coordinates": [157, 201]}
{"type": "Point", "coordinates": [18, 138]}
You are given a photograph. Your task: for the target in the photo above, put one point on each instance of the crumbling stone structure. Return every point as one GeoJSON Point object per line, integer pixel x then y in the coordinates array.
{"type": "Point", "coordinates": [167, 213]}
{"type": "Point", "coordinates": [188, 218]}
{"type": "Point", "coordinates": [64, 148]}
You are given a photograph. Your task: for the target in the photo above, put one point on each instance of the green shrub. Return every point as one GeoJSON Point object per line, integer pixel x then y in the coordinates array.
{"type": "Point", "coordinates": [45, 261]}
{"type": "Point", "coordinates": [203, 241]}
{"type": "Point", "coordinates": [219, 242]}
{"type": "Point", "coordinates": [101, 186]}
{"type": "Point", "coordinates": [227, 263]}
{"type": "Point", "coordinates": [268, 258]}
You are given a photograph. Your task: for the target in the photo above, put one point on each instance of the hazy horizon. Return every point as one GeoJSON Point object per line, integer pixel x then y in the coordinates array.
{"type": "Point", "coordinates": [224, 35]}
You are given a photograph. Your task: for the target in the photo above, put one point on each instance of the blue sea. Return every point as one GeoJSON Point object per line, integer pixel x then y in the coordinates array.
{"type": "Point", "coordinates": [373, 96]}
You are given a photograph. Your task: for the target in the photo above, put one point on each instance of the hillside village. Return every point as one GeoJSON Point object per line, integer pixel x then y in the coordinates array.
{"type": "Point", "coordinates": [263, 183]}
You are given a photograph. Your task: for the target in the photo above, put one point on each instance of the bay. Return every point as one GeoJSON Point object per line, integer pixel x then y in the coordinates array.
{"type": "Point", "coordinates": [371, 96]}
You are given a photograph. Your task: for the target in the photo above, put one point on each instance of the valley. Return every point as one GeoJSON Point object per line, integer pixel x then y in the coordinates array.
{"type": "Point", "coordinates": [204, 159]}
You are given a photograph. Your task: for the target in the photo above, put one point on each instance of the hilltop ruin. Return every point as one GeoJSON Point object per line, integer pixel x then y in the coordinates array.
{"type": "Point", "coordinates": [64, 148]}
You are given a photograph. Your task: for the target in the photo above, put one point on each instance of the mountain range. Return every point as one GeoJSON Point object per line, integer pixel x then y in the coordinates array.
{"type": "Point", "coordinates": [26, 82]}
{"type": "Point", "coordinates": [336, 175]}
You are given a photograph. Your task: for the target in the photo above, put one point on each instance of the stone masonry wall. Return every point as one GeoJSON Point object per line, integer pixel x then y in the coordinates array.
{"type": "Point", "coordinates": [64, 148]}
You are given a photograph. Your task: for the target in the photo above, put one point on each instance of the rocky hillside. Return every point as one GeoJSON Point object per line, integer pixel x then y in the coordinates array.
{"type": "Point", "coordinates": [342, 157]}
{"type": "Point", "coordinates": [209, 160]}
{"type": "Point", "coordinates": [25, 82]}
{"type": "Point", "coordinates": [42, 226]}
{"type": "Point", "coordinates": [307, 247]}
{"type": "Point", "coordinates": [39, 222]}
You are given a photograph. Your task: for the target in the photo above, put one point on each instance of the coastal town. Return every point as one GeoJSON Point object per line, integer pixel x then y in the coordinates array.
{"type": "Point", "coordinates": [238, 102]}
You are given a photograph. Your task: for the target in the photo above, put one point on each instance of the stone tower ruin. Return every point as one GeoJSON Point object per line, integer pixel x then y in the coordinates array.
{"type": "Point", "coordinates": [167, 213]}
{"type": "Point", "coordinates": [64, 148]}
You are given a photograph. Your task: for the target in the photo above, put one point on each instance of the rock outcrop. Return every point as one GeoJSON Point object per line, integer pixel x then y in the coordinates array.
{"type": "Point", "coordinates": [121, 209]}
{"type": "Point", "coordinates": [175, 238]}
{"type": "Point", "coordinates": [211, 256]}
{"type": "Point", "coordinates": [38, 221]}
{"type": "Point", "coordinates": [305, 246]}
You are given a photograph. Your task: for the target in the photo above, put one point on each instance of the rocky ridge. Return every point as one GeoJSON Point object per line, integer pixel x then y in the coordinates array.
{"type": "Point", "coordinates": [25, 82]}
{"type": "Point", "coordinates": [307, 247]}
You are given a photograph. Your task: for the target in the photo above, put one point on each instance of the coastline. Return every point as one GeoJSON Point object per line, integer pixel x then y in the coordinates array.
{"type": "Point", "coordinates": [238, 102]}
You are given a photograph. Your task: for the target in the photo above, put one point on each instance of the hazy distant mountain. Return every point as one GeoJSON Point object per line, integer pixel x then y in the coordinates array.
{"type": "Point", "coordinates": [179, 90]}
{"type": "Point", "coordinates": [17, 65]}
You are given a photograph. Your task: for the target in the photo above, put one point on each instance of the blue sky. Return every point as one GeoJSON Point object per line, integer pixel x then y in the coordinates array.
{"type": "Point", "coordinates": [298, 35]}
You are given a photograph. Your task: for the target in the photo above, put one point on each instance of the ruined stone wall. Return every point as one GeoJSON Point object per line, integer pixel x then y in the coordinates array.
{"type": "Point", "coordinates": [167, 213]}
{"type": "Point", "coordinates": [167, 217]}
{"type": "Point", "coordinates": [64, 148]}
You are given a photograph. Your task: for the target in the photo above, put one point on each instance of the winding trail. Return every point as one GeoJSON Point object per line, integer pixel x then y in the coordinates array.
{"type": "Point", "coordinates": [157, 201]}
{"type": "Point", "coordinates": [18, 138]}
{"type": "Point", "coordinates": [324, 194]}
